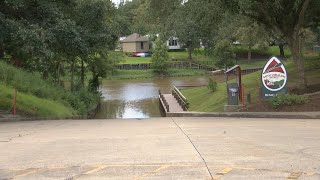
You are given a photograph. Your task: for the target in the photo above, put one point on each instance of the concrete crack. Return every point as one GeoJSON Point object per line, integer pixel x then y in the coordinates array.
{"type": "Point", "coordinates": [204, 161]}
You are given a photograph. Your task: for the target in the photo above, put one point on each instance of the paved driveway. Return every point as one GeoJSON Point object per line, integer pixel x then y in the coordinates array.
{"type": "Point", "coordinates": [164, 148]}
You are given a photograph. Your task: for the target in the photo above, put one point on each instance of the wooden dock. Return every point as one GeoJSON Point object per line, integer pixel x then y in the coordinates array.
{"type": "Point", "coordinates": [172, 103]}
{"type": "Point", "coordinates": [174, 106]}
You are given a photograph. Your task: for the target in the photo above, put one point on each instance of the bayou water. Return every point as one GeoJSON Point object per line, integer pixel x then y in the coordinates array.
{"type": "Point", "coordinates": [125, 99]}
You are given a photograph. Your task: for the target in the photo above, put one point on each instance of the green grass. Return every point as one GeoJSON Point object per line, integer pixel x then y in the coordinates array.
{"type": "Point", "coordinates": [270, 51]}
{"type": "Point", "coordinates": [199, 57]}
{"type": "Point", "coordinates": [33, 106]}
{"type": "Point", "coordinates": [244, 64]}
{"type": "Point", "coordinates": [32, 84]}
{"type": "Point", "coordinates": [203, 100]}
{"type": "Point", "coordinates": [181, 55]}
{"type": "Point", "coordinates": [147, 74]}
{"type": "Point", "coordinates": [274, 50]}
{"type": "Point", "coordinates": [136, 60]}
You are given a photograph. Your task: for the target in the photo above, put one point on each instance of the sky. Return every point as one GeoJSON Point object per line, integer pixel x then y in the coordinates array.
{"type": "Point", "coordinates": [116, 1]}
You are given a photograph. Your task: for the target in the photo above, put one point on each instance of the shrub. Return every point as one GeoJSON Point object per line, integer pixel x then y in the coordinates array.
{"type": "Point", "coordinates": [224, 54]}
{"type": "Point", "coordinates": [312, 63]}
{"type": "Point", "coordinates": [32, 84]}
{"type": "Point", "coordinates": [160, 58]}
{"type": "Point", "coordinates": [287, 100]}
{"type": "Point", "coordinates": [212, 85]}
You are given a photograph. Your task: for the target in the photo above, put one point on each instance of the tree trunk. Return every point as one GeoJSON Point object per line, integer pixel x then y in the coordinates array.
{"type": "Point", "coordinates": [298, 61]}
{"type": "Point", "coordinates": [295, 45]}
{"type": "Point", "coordinates": [82, 73]}
{"type": "Point", "coordinates": [45, 74]}
{"type": "Point", "coordinates": [72, 76]}
{"type": "Point", "coordinates": [190, 53]}
{"type": "Point", "coordinates": [1, 51]}
{"type": "Point", "coordinates": [249, 54]}
{"type": "Point", "coordinates": [281, 49]}
{"type": "Point", "coordinates": [58, 74]}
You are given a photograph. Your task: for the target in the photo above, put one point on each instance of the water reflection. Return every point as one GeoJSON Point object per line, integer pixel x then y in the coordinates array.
{"type": "Point", "coordinates": [139, 98]}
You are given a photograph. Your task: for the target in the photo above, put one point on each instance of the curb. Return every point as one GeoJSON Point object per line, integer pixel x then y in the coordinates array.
{"type": "Point", "coordinates": [21, 119]}
{"type": "Point", "coordinates": [274, 115]}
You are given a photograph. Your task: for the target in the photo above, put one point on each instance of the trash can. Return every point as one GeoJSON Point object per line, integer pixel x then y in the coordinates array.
{"type": "Point", "coordinates": [233, 94]}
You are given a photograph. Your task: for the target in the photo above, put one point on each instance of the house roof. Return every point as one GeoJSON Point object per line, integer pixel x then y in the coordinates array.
{"type": "Point", "coordinates": [135, 37]}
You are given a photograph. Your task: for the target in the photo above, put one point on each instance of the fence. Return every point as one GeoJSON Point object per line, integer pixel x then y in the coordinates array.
{"type": "Point", "coordinates": [164, 101]}
{"type": "Point", "coordinates": [180, 98]}
{"type": "Point", "coordinates": [243, 71]}
{"type": "Point", "coordinates": [175, 65]}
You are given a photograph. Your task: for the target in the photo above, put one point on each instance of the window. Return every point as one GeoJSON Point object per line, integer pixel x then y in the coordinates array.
{"type": "Point", "coordinates": [142, 45]}
{"type": "Point", "coordinates": [173, 42]}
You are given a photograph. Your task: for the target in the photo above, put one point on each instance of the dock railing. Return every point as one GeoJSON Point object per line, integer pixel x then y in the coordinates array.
{"type": "Point", "coordinates": [180, 98]}
{"type": "Point", "coordinates": [165, 102]}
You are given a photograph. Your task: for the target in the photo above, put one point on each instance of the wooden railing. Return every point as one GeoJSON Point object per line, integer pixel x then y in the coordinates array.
{"type": "Point", "coordinates": [91, 113]}
{"type": "Point", "coordinates": [180, 98]}
{"type": "Point", "coordinates": [165, 102]}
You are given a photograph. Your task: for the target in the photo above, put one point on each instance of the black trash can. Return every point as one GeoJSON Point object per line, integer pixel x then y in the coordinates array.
{"type": "Point", "coordinates": [233, 94]}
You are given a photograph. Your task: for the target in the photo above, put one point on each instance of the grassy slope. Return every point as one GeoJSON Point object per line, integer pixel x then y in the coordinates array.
{"type": "Point", "coordinates": [172, 55]}
{"type": "Point", "coordinates": [202, 59]}
{"type": "Point", "coordinates": [35, 96]}
{"type": "Point", "coordinates": [201, 99]}
{"type": "Point", "coordinates": [141, 74]}
{"type": "Point", "coordinates": [136, 60]}
{"type": "Point", "coordinates": [32, 105]}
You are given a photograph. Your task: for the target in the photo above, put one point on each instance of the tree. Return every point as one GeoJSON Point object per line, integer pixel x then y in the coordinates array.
{"type": "Point", "coordinates": [191, 22]}
{"type": "Point", "coordinates": [45, 35]}
{"type": "Point", "coordinates": [160, 58]}
{"type": "Point", "coordinates": [224, 54]}
{"type": "Point", "coordinates": [287, 18]}
{"type": "Point", "coordinates": [132, 17]}
{"type": "Point", "coordinates": [238, 28]}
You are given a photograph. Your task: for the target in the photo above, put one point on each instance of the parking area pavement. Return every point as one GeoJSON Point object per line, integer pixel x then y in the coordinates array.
{"type": "Point", "coordinates": [161, 148]}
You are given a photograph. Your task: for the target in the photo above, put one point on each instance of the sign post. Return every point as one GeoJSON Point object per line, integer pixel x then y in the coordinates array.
{"type": "Point", "coordinates": [274, 79]}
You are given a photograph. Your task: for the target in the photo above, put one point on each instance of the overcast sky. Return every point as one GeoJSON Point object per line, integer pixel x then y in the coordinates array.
{"type": "Point", "coordinates": [116, 1]}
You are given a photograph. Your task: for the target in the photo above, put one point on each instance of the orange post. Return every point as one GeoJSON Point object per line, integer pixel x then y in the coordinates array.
{"type": "Point", "coordinates": [15, 102]}
{"type": "Point", "coordinates": [242, 96]}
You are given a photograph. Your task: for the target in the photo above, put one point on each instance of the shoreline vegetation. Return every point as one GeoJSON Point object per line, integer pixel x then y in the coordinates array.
{"type": "Point", "coordinates": [200, 57]}
{"type": "Point", "coordinates": [39, 98]}
{"type": "Point", "coordinates": [201, 99]}
{"type": "Point", "coordinates": [149, 74]}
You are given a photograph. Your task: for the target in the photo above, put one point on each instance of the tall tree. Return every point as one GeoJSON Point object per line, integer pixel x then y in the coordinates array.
{"type": "Point", "coordinates": [41, 35]}
{"type": "Point", "coordinates": [191, 22]}
{"type": "Point", "coordinates": [285, 17]}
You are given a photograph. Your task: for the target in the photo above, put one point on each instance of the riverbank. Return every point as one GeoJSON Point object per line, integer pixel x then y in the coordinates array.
{"type": "Point", "coordinates": [39, 98]}
{"type": "Point", "coordinates": [149, 74]}
{"type": "Point", "coordinates": [203, 100]}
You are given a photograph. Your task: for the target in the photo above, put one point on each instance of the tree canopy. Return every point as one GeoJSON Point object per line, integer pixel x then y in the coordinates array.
{"type": "Point", "coordinates": [41, 35]}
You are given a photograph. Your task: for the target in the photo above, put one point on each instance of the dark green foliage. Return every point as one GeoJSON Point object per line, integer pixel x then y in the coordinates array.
{"type": "Point", "coordinates": [212, 85]}
{"type": "Point", "coordinates": [287, 100]}
{"type": "Point", "coordinates": [312, 63]}
{"type": "Point", "coordinates": [33, 84]}
{"type": "Point", "coordinates": [160, 58]}
{"type": "Point", "coordinates": [55, 38]}
{"type": "Point", "coordinates": [48, 36]}
{"type": "Point", "coordinates": [224, 54]}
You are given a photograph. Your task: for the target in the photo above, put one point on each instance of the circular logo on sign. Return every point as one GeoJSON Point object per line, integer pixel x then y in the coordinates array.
{"type": "Point", "coordinates": [274, 75]}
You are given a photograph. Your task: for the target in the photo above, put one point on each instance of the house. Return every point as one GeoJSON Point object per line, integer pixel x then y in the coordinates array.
{"type": "Point", "coordinates": [135, 43]}
{"type": "Point", "coordinates": [173, 44]}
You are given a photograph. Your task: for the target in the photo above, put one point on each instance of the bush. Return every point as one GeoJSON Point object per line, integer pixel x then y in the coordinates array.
{"type": "Point", "coordinates": [160, 58]}
{"type": "Point", "coordinates": [287, 100]}
{"type": "Point", "coordinates": [312, 63]}
{"type": "Point", "coordinates": [33, 84]}
{"type": "Point", "coordinates": [224, 54]}
{"type": "Point", "coordinates": [212, 85]}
